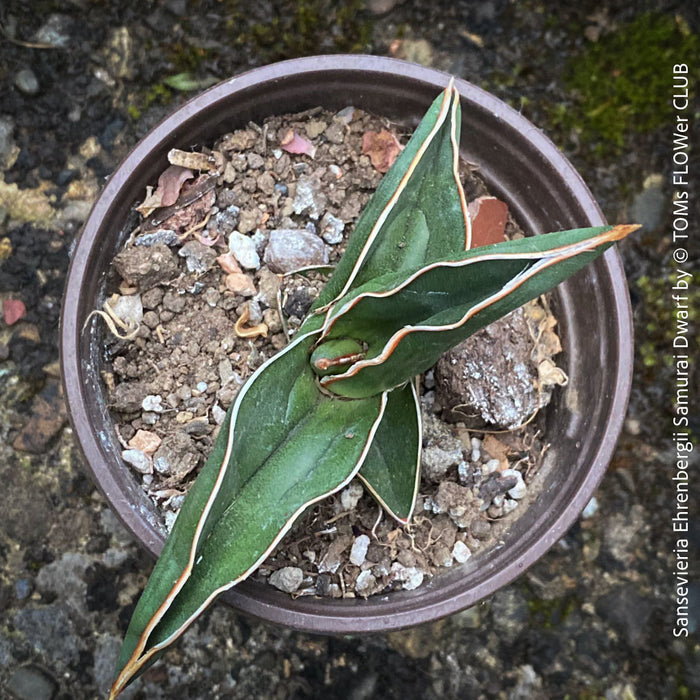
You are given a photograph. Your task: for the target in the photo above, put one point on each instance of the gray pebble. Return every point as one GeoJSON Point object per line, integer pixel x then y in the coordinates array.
{"type": "Point", "coordinates": [365, 583]}
{"type": "Point", "coordinates": [26, 82]}
{"type": "Point", "coordinates": [164, 236]}
{"type": "Point", "coordinates": [287, 579]}
{"type": "Point", "coordinates": [460, 552]}
{"type": "Point", "coordinates": [138, 460]}
{"type": "Point", "coordinates": [410, 576]}
{"type": "Point", "coordinates": [198, 257]}
{"type": "Point", "coordinates": [31, 683]}
{"type": "Point", "coordinates": [292, 249]}
{"type": "Point", "coordinates": [309, 199]}
{"type": "Point", "coordinates": [55, 31]}
{"type": "Point", "coordinates": [350, 495]}
{"type": "Point", "coordinates": [520, 489]}
{"type": "Point", "coordinates": [243, 249]}
{"type": "Point", "coordinates": [332, 229]}
{"type": "Point", "coordinates": [152, 403]}
{"type": "Point", "coordinates": [227, 219]}
{"type": "Point", "coordinates": [358, 552]}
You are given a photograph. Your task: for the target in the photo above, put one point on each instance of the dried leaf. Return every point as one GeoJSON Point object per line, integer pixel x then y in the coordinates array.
{"type": "Point", "coordinates": [294, 143]}
{"type": "Point", "coordinates": [192, 160]}
{"type": "Point", "coordinates": [382, 148]}
{"type": "Point", "coordinates": [551, 375]}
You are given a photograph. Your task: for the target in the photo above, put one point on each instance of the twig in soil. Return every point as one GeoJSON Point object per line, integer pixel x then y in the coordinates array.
{"type": "Point", "coordinates": [26, 44]}
{"type": "Point", "coordinates": [184, 236]}
{"type": "Point", "coordinates": [376, 524]}
{"type": "Point", "coordinates": [280, 311]}
{"type": "Point", "coordinates": [112, 321]}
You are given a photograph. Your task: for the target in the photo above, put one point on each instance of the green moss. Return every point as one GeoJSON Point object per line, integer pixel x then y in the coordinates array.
{"type": "Point", "coordinates": [546, 614]}
{"type": "Point", "coordinates": [622, 84]}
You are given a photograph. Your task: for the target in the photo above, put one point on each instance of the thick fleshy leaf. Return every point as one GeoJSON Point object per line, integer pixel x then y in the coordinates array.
{"type": "Point", "coordinates": [417, 214]}
{"type": "Point", "coordinates": [286, 445]}
{"type": "Point", "coordinates": [391, 471]}
{"type": "Point", "coordinates": [407, 320]}
{"type": "Point", "coordinates": [423, 219]}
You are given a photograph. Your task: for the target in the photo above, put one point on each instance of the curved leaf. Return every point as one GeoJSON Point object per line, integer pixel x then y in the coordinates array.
{"type": "Point", "coordinates": [287, 444]}
{"type": "Point", "coordinates": [417, 214]}
{"type": "Point", "coordinates": [407, 320]}
{"type": "Point", "coordinates": [391, 471]}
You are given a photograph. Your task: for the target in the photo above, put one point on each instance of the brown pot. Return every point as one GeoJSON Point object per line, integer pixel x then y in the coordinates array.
{"type": "Point", "coordinates": [544, 193]}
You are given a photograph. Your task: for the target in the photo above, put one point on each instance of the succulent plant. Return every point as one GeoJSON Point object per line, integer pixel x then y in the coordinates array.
{"type": "Point", "coordinates": [341, 400]}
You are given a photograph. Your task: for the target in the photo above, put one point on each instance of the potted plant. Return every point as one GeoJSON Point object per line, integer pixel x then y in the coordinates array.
{"type": "Point", "coordinates": [352, 358]}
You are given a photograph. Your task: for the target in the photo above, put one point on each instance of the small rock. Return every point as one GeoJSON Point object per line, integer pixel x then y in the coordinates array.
{"type": "Point", "coordinates": [198, 257]}
{"type": "Point", "coordinates": [358, 552]}
{"type": "Point", "coordinates": [23, 588]}
{"type": "Point", "coordinates": [460, 552]}
{"type": "Point", "coordinates": [152, 403]}
{"type": "Point", "coordinates": [177, 455]}
{"type": "Point", "coordinates": [287, 579]}
{"type": "Point", "coordinates": [248, 220]}
{"type": "Point", "coordinates": [293, 249]}
{"type": "Point", "coordinates": [226, 220]}
{"type": "Point", "coordinates": [410, 576]}
{"type": "Point", "coordinates": [218, 414]}
{"type": "Point", "coordinates": [441, 555]}
{"type": "Point", "coordinates": [332, 558]}
{"type": "Point", "coordinates": [436, 461]}
{"type": "Point", "coordinates": [350, 495]}
{"type": "Point", "coordinates": [520, 489]}
{"type": "Point", "coordinates": [591, 509]}
{"type": "Point", "coordinates": [146, 267]}
{"type": "Point", "coordinates": [476, 449]}
{"type": "Point", "coordinates": [268, 285]}
{"type": "Point", "coordinates": [332, 229]}
{"type": "Point", "coordinates": [628, 612]}
{"type": "Point", "coordinates": [243, 249]}
{"type": "Point", "coordinates": [240, 283]}
{"type": "Point", "coordinates": [489, 217]}
{"type": "Point", "coordinates": [31, 683]}
{"type": "Point", "coordinates": [55, 31]}
{"type": "Point", "coordinates": [26, 81]}
{"type": "Point", "coordinates": [309, 199]}
{"type": "Point", "coordinates": [365, 583]}
{"type": "Point", "coordinates": [335, 132]}
{"type": "Point", "coordinates": [145, 441]}
{"type": "Point", "coordinates": [139, 460]}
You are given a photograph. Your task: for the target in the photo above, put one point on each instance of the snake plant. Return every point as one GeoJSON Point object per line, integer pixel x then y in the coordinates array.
{"type": "Point", "coordinates": [340, 400]}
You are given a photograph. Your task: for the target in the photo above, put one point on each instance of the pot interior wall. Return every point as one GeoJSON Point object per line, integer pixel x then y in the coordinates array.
{"type": "Point", "coordinates": [542, 191]}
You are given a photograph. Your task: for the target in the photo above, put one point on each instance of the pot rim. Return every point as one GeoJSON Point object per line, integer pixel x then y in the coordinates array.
{"type": "Point", "coordinates": [356, 615]}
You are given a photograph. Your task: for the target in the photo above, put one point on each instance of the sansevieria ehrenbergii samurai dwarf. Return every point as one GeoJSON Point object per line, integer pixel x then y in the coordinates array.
{"type": "Point", "coordinates": [340, 400]}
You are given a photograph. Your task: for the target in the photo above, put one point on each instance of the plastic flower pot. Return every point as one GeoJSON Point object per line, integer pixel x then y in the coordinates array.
{"type": "Point", "coordinates": [543, 191]}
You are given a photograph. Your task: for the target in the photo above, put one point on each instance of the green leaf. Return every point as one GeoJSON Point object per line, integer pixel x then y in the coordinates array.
{"type": "Point", "coordinates": [186, 82]}
{"type": "Point", "coordinates": [407, 320]}
{"type": "Point", "coordinates": [417, 214]}
{"type": "Point", "coordinates": [391, 470]}
{"type": "Point", "coordinates": [287, 445]}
